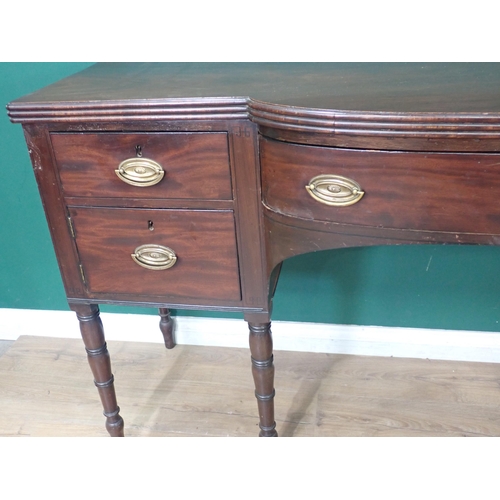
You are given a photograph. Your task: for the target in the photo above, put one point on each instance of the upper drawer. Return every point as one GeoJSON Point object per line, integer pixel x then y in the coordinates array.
{"type": "Point", "coordinates": [402, 190]}
{"type": "Point", "coordinates": [195, 165]}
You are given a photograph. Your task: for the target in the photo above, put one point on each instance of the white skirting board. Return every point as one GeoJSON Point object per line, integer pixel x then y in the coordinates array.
{"type": "Point", "coordinates": [290, 336]}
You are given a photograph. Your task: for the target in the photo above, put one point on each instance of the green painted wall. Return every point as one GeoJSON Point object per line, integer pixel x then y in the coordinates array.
{"type": "Point", "coordinates": [411, 286]}
{"type": "Point", "coordinates": [28, 268]}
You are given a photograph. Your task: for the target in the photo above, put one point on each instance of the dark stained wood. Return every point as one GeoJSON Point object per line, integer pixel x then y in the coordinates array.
{"type": "Point", "coordinates": [261, 349]}
{"type": "Point", "coordinates": [150, 203]}
{"type": "Point", "coordinates": [401, 87]}
{"type": "Point", "coordinates": [203, 241]}
{"type": "Point", "coordinates": [167, 327]}
{"type": "Point", "coordinates": [100, 364]}
{"type": "Point", "coordinates": [380, 130]}
{"type": "Point", "coordinates": [389, 142]}
{"type": "Point", "coordinates": [239, 142]}
{"type": "Point", "coordinates": [418, 191]}
{"type": "Point", "coordinates": [415, 106]}
{"type": "Point", "coordinates": [288, 237]}
{"type": "Point", "coordinates": [196, 165]}
{"type": "Point", "coordinates": [54, 205]}
{"type": "Point", "coordinates": [248, 214]}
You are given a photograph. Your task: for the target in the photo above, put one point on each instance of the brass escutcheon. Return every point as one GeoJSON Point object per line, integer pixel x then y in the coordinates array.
{"type": "Point", "coordinates": [141, 172]}
{"type": "Point", "coordinates": [156, 257]}
{"type": "Point", "coordinates": [335, 190]}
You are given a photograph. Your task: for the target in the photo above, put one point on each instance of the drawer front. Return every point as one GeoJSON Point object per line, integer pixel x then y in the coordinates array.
{"type": "Point", "coordinates": [195, 165]}
{"type": "Point", "coordinates": [421, 191]}
{"type": "Point", "coordinates": [204, 244]}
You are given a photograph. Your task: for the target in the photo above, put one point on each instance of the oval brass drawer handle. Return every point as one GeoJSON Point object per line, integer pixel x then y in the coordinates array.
{"type": "Point", "coordinates": [155, 257]}
{"type": "Point", "coordinates": [335, 190]}
{"type": "Point", "coordinates": [140, 172]}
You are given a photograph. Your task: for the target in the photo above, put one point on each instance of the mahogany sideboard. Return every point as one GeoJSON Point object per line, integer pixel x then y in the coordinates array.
{"type": "Point", "coordinates": [186, 185]}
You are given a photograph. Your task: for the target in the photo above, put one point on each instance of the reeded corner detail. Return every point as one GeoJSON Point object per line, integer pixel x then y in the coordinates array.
{"type": "Point", "coordinates": [156, 257]}
{"type": "Point", "coordinates": [141, 172]}
{"type": "Point", "coordinates": [335, 190]}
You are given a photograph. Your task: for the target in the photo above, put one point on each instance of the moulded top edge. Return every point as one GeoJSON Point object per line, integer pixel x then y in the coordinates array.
{"type": "Point", "coordinates": [371, 87]}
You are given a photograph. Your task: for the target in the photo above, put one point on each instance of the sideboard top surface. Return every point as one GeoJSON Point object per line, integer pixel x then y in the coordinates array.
{"type": "Point", "coordinates": [371, 87]}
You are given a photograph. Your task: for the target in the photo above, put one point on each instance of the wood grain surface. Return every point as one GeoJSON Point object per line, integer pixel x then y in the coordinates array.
{"type": "Point", "coordinates": [196, 165]}
{"type": "Point", "coordinates": [401, 87]}
{"type": "Point", "coordinates": [46, 389]}
{"type": "Point", "coordinates": [204, 242]}
{"type": "Point", "coordinates": [403, 190]}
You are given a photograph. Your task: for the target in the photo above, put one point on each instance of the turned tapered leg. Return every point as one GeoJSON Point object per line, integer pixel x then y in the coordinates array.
{"type": "Point", "coordinates": [167, 327]}
{"type": "Point", "coordinates": [100, 364]}
{"type": "Point", "coordinates": [261, 349]}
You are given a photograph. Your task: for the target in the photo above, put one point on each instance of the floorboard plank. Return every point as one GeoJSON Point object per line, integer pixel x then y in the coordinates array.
{"type": "Point", "coordinates": [46, 389]}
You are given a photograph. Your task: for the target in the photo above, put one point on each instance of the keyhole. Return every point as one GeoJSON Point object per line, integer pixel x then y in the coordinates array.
{"type": "Point", "coordinates": [138, 151]}
{"type": "Point", "coordinates": [151, 226]}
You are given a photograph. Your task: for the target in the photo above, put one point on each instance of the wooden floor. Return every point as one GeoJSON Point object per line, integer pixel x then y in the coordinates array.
{"type": "Point", "coordinates": [46, 389]}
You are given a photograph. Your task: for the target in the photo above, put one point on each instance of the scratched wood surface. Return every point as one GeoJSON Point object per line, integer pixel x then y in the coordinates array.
{"type": "Point", "coordinates": [46, 389]}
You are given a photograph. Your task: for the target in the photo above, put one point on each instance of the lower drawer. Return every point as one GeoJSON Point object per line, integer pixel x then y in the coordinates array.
{"type": "Point", "coordinates": [127, 251]}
